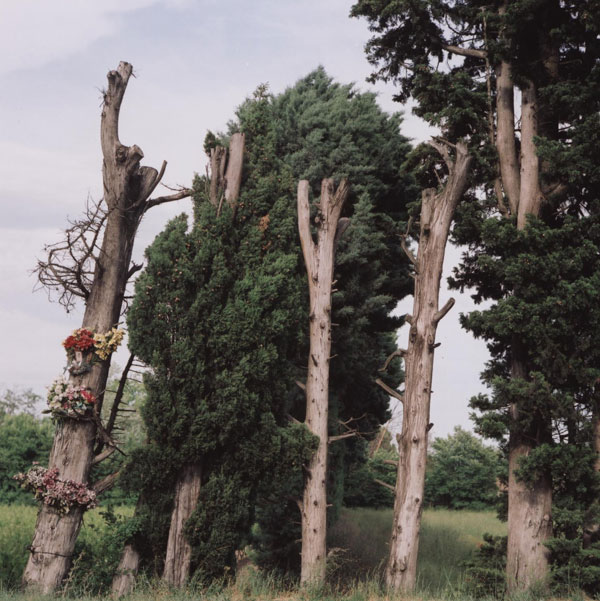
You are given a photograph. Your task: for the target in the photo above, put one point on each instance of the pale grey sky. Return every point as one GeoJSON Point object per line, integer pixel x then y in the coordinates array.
{"type": "Point", "coordinates": [195, 61]}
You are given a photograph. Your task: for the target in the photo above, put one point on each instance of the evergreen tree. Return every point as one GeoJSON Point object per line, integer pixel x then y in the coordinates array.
{"type": "Point", "coordinates": [462, 473]}
{"type": "Point", "coordinates": [548, 50]}
{"type": "Point", "coordinates": [221, 316]}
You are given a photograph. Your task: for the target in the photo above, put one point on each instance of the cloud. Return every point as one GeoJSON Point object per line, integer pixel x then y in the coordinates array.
{"type": "Point", "coordinates": [34, 33]}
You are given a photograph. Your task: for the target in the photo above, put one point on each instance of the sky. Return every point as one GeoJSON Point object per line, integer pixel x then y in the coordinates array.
{"type": "Point", "coordinates": [194, 62]}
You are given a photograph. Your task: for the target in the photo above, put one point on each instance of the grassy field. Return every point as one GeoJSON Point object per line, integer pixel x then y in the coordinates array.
{"type": "Point", "coordinates": [359, 543]}
{"type": "Point", "coordinates": [448, 538]}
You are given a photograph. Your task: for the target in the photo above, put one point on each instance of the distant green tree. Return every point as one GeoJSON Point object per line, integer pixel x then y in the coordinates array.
{"type": "Point", "coordinates": [462, 473]}
{"type": "Point", "coordinates": [24, 438]}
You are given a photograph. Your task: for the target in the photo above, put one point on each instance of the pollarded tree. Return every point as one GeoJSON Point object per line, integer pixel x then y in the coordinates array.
{"type": "Point", "coordinates": [547, 51]}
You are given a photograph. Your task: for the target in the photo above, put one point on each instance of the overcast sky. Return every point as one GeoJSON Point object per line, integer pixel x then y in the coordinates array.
{"type": "Point", "coordinates": [195, 61]}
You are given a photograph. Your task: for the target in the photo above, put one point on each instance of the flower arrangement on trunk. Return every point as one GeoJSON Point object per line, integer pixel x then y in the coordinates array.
{"type": "Point", "coordinates": [64, 399]}
{"type": "Point", "coordinates": [48, 488]}
{"type": "Point", "coordinates": [85, 341]}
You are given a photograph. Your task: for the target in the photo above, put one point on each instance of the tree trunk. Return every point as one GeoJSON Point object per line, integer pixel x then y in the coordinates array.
{"type": "Point", "coordinates": [319, 259]}
{"type": "Point", "coordinates": [127, 187]}
{"type": "Point", "coordinates": [529, 523]}
{"type": "Point", "coordinates": [437, 210]}
{"type": "Point", "coordinates": [529, 504]}
{"type": "Point", "coordinates": [179, 551]}
{"type": "Point", "coordinates": [124, 579]}
{"type": "Point", "coordinates": [225, 185]}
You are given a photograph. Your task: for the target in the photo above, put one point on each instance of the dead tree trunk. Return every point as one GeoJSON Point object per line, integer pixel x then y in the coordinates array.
{"type": "Point", "coordinates": [319, 259]}
{"type": "Point", "coordinates": [437, 211]}
{"type": "Point", "coordinates": [179, 551]}
{"type": "Point", "coordinates": [127, 188]}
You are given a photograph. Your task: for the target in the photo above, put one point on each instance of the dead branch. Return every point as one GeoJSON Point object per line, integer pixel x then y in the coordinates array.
{"type": "Point", "coordinates": [103, 455]}
{"type": "Point", "coordinates": [119, 395]}
{"type": "Point", "coordinates": [342, 436]}
{"type": "Point", "coordinates": [68, 268]}
{"type": "Point", "coordinates": [389, 390]}
{"type": "Point", "coordinates": [389, 486]}
{"type": "Point", "coordinates": [443, 311]}
{"type": "Point", "coordinates": [397, 353]}
{"type": "Point", "coordinates": [181, 193]}
{"type": "Point", "coordinates": [108, 482]}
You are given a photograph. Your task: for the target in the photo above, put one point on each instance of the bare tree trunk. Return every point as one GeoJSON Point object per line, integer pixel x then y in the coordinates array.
{"type": "Point", "coordinates": [529, 523]}
{"type": "Point", "coordinates": [127, 187]}
{"type": "Point", "coordinates": [179, 551]}
{"type": "Point", "coordinates": [124, 579]}
{"type": "Point", "coordinates": [319, 259]}
{"type": "Point", "coordinates": [505, 137]}
{"type": "Point", "coordinates": [437, 211]}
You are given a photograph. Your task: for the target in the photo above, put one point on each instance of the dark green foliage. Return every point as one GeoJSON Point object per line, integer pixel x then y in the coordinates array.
{"type": "Point", "coordinates": [462, 473]}
{"type": "Point", "coordinates": [361, 488]}
{"type": "Point", "coordinates": [221, 315]}
{"type": "Point", "coordinates": [544, 281]}
{"type": "Point", "coordinates": [485, 573]}
{"type": "Point", "coordinates": [24, 439]}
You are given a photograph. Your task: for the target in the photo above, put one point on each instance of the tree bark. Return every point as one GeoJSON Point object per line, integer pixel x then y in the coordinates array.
{"type": "Point", "coordinates": [127, 187]}
{"type": "Point", "coordinates": [505, 136]}
{"type": "Point", "coordinates": [179, 551]}
{"type": "Point", "coordinates": [529, 504]}
{"type": "Point", "coordinates": [437, 211]}
{"type": "Point", "coordinates": [319, 258]}
{"type": "Point", "coordinates": [124, 579]}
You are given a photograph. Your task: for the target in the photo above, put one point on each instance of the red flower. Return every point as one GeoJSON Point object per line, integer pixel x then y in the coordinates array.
{"type": "Point", "coordinates": [88, 396]}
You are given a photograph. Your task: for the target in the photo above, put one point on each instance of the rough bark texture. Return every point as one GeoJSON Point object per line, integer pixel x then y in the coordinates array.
{"type": "Point", "coordinates": [529, 505]}
{"type": "Point", "coordinates": [124, 579]}
{"type": "Point", "coordinates": [179, 551]}
{"type": "Point", "coordinates": [437, 211]}
{"type": "Point", "coordinates": [127, 187]}
{"type": "Point", "coordinates": [319, 259]}
{"type": "Point", "coordinates": [226, 172]}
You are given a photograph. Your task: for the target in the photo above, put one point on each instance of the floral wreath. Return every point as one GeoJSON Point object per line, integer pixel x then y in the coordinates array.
{"type": "Point", "coordinates": [48, 488]}
{"type": "Point", "coordinates": [66, 400]}
{"type": "Point", "coordinates": [100, 346]}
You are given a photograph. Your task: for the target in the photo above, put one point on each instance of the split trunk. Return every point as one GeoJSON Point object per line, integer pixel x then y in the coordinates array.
{"type": "Point", "coordinates": [437, 211]}
{"type": "Point", "coordinates": [319, 259]}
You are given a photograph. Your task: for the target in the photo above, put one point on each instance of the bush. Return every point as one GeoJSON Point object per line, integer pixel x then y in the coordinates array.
{"type": "Point", "coordinates": [462, 473]}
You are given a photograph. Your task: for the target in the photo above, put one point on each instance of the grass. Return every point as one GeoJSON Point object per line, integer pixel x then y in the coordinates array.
{"type": "Point", "coordinates": [359, 541]}
{"type": "Point", "coordinates": [17, 523]}
{"type": "Point", "coordinates": [447, 539]}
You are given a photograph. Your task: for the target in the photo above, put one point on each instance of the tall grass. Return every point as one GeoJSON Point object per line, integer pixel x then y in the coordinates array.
{"type": "Point", "coordinates": [17, 523]}
{"type": "Point", "coordinates": [361, 536]}
{"type": "Point", "coordinates": [358, 543]}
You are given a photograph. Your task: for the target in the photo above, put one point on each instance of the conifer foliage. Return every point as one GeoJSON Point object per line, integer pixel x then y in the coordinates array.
{"type": "Point", "coordinates": [464, 62]}
{"type": "Point", "coordinates": [221, 315]}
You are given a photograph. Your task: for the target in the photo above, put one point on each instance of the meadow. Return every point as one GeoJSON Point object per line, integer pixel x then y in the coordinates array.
{"type": "Point", "coordinates": [358, 543]}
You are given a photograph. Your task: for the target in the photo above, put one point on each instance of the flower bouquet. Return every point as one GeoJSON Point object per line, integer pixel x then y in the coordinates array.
{"type": "Point", "coordinates": [84, 347]}
{"type": "Point", "coordinates": [51, 490]}
{"type": "Point", "coordinates": [66, 400]}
